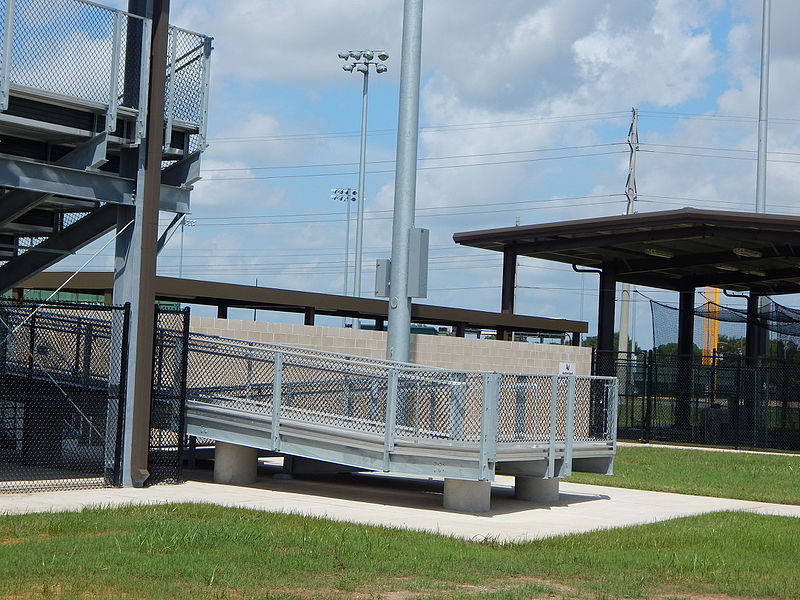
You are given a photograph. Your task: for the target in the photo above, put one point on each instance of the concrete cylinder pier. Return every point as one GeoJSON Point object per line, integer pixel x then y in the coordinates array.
{"type": "Point", "coordinates": [235, 464]}
{"type": "Point", "coordinates": [467, 496]}
{"type": "Point", "coordinates": [535, 489]}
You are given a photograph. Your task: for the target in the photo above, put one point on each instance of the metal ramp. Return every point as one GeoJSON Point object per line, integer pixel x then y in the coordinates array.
{"type": "Point", "coordinates": [395, 417]}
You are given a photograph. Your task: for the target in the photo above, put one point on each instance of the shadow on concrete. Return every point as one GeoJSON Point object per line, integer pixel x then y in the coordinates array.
{"type": "Point", "coordinates": [389, 490]}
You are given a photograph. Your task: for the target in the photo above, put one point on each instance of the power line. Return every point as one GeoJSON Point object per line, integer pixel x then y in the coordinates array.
{"type": "Point", "coordinates": [429, 168]}
{"type": "Point", "coordinates": [424, 208]}
{"type": "Point", "coordinates": [389, 217]}
{"type": "Point", "coordinates": [431, 128]}
{"type": "Point", "coordinates": [376, 162]}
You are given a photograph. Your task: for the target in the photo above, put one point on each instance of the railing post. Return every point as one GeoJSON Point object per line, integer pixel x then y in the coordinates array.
{"type": "Point", "coordinates": [551, 447]}
{"type": "Point", "coordinates": [612, 389]}
{"type": "Point", "coordinates": [113, 92]}
{"type": "Point", "coordinates": [5, 65]}
{"type": "Point", "coordinates": [144, 80]}
{"type": "Point", "coordinates": [391, 418]}
{"type": "Point", "coordinates": [488, 443]}
{"type": "Point", "coordinates": [170, 107]}
{"type": "Point", "coordinates": [569, 433]}
{"type": "Point", "coordinates": [203, 128]}
{"type": "Point", "coordinates": [277, 375]}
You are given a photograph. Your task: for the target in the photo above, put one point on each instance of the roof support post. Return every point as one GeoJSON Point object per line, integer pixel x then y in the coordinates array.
{"type": "Point", "coordinates": [135, 264]}
{"type": "Point", "coordinates": [605, 320]}
{"type": "Point", "coordinates": [756, 336]}
{"type": "Point", "coordinates": [508, 286]}
{"type": "Point", "coordinates": [683, 377]}
{"type": "Point", "coordinates": [755, 347]}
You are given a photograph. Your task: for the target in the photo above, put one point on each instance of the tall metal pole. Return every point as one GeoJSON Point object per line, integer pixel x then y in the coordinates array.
{"type": "Point", "coordinates": [405, 183]}
{"type": "Point", "coordinates": [346, 247]}
{"type": "Point", "coordinates": [763, 110]}
{"type": "Point", "coordinates": [630, 192]}
{"type": "Point", "coordinates": [360, 218]}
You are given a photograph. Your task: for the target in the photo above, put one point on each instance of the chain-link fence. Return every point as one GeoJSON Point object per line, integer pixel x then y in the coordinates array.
{"type": "Point", "coordinates": [167, 408]}
{"type": "Point", "coordinates": [98, 56]}
{"type": "Point", "coordinates": [400, 403]}
{"type": "Point", "coordinates": [729, 400]}
{"type": "Point", "coordinates": [61, 401]}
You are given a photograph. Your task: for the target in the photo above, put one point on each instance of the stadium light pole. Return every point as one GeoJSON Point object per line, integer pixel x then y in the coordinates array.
{"type": "Point", "coordinates": [361, 61]}
{"type": "Point", "coordinates": [346, 195]}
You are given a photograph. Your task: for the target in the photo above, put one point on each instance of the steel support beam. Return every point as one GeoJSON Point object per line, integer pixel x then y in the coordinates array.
{"type": "Point", "coordinates": [605, 321]}
{"type": "Point", "coordinates": [508, 287]}
{"type": "Point", "coordinates": [66, 182]}
{"type": "Point", "coordinates": [89, 155]}
{"type": "Point", "coordinates": [53, 249]}
{"type": "Point", "coordinates": [135, 265]}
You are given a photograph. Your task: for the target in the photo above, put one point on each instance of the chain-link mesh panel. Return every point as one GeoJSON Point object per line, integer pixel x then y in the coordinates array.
{"type": "Point", "coordinates": [63, 46]}
{"type": "Point", "coordinates": [62, 394]}
{"type": "Point", "coordinates": [167, 408]}
{"type": "Point", "coordinates": [71, 48]}
{"type": "Point", "coordinates": [524, 409]}
{"type": "Point", "coordinates": [190, 55]}
{"type": "Point", "coordinates": [230, 375]}
{"type": "Point", "coordinates": [731, 400]}
{"type": "Point", "coordinates": [439, 404]}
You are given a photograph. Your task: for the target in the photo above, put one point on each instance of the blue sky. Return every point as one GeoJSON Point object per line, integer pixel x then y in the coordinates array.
{"type": "Point", "coordinates": [529, 99]}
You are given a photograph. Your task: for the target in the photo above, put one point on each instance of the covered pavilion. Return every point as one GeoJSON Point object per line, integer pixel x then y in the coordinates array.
{"type": "Point", "coordinates": [678, 250]}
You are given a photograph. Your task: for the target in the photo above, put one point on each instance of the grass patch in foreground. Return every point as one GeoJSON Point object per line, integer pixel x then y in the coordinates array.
{"type": "Point", "coordinates": [761, 477]}
{"type": "Point", "coordinates": [198, 551]}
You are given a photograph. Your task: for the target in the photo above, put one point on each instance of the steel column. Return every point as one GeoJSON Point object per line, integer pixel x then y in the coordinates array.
{"type": "Point", "coordinates": [134, 277]}
{"type": "Point", "coordinates": [605, 321]}
{"type": "Point", "coordinates": [399, 336]}
{"type": "Point", "coordinates": [683, 396]}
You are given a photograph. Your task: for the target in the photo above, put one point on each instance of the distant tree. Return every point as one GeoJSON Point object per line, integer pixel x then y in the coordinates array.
{"type": "Point", "coordinates": [591, 342]}
{"type": "Point", "coordinates": [673, 349]}
{"type": "Point", "coordinates": [730, 345]}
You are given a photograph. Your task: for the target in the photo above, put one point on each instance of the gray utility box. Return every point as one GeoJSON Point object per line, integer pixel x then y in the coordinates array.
{"type": "Point", "coordinates": [419, 240]}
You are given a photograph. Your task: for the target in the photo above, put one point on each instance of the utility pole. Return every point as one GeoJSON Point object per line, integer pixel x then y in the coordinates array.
{"type": "Point", "coordinates": [398, 339]}
{"type": "Point", "coordinates": [630, 193]}
{"type": "Point", "coordinates": [763, 111]}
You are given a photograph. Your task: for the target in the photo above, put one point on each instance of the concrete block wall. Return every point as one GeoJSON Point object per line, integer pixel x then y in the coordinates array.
{"type": "Point", "coordinates": [439, 351]}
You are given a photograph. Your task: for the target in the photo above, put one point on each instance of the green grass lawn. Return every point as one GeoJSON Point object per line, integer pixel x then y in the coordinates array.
{"type": "Point", "coordinates": [762, 477]}
{"type": "Point", "coordinates": [197, 552]}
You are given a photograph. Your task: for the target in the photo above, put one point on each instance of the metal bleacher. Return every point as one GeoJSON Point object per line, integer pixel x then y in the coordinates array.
{"type": "Point", "coordinates": [73, 91]}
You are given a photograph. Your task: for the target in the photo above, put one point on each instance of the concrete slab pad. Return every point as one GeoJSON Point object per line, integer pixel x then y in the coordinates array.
{"type": "Point", "coordinates": [411, 503]}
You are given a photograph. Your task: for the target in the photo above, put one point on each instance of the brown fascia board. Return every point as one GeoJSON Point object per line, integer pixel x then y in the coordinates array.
{"type": "Point", "coordinates": [238, 295]}
{"type": "Point", "coordinates": [682, 216]}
